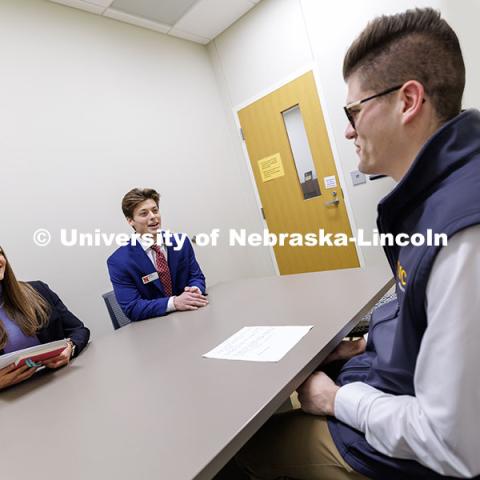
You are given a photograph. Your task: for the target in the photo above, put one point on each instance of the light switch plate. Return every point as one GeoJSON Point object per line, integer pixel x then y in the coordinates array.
{"type": "Point", "coordinates": [358, 177]}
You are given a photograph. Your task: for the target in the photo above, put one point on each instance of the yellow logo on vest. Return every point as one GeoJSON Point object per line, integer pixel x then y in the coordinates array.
{"type": "Point", "coordinates": [402, 276]}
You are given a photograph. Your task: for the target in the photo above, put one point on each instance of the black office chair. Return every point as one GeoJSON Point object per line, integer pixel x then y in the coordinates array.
{"type": "Point", "coordinates": [119, 319]}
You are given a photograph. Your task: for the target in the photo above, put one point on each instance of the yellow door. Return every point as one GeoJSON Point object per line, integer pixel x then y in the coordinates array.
{"type": "Point", "coordinates": [295, 174]}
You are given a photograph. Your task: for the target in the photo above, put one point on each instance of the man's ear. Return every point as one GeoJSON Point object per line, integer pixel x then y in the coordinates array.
{"type": "Point", "coordinates": [412, 96]}
{"type": "Point", "coordinates": [130, 222]}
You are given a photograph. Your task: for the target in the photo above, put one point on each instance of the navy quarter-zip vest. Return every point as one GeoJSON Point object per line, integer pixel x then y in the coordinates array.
{"type": "Point", "coordinates": [441, 192]}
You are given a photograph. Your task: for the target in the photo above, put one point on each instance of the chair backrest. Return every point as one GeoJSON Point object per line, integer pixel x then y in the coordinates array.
{"type": "Point", "coordinates": [119, 319]}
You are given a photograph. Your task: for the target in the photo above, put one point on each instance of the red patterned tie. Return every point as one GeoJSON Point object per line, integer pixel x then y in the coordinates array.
{"type": "Point", "coordinates": [163, 270]}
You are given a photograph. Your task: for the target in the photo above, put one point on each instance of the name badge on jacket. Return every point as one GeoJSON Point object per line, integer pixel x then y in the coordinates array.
{"type": "Point", "coordinates": [150, 278]}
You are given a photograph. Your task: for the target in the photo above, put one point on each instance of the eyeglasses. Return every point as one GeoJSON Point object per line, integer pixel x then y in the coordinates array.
{"type": "Point", "coordinates": [348, 108]}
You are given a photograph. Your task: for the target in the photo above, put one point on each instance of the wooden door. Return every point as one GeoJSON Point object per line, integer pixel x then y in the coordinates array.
{"type": "Point", "coordinates": [295, 175]}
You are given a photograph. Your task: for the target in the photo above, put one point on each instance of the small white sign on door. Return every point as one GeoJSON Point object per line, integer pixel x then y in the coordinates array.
{"type": "Point", "coordinates": [330, 182]}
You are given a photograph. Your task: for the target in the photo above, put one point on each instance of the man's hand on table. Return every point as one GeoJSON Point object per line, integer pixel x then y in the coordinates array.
{"type": "Point", "coordinates": [190, 299]}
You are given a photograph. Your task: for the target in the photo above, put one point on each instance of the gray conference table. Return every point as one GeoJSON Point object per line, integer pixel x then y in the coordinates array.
{"type": "Point", "coordinates": [142, 403]}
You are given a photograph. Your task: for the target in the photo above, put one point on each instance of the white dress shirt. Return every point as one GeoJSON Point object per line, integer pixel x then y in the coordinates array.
{"type": "Point", "coordinates": [440, 426]}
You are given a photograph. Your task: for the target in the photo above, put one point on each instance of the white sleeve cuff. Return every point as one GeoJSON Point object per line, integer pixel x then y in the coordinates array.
{"type": "Point", "coordinates": [170, 305]}
{"type": "Point", "coordinates": [347, 403]}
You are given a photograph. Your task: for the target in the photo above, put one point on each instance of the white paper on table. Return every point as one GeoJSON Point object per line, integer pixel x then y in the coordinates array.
{"type": "Point", "coordinates": [259, 344]}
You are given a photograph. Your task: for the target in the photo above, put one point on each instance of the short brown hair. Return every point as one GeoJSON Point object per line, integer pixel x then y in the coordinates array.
{"type": "Point", "coordinates": [136, 196]}
{"type": "Point", "coordinates": [415, 45]}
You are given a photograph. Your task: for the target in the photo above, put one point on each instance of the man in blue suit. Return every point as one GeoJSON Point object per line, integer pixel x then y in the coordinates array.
{"type": "Point", "coordinates": [158, 273]}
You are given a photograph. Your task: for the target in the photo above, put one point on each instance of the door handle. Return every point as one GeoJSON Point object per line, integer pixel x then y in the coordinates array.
{"type": "Point", "coordinates": [335, 202]}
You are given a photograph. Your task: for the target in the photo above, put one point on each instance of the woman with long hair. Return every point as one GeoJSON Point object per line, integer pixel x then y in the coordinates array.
{"type": "Point", "coordinates": [32, 314]}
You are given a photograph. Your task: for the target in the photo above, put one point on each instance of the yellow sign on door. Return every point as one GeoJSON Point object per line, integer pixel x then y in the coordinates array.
{"type": "Point", "coordinates": [271, 167]}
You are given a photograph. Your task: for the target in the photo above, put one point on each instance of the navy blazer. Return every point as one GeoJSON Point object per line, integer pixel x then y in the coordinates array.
{"type": "Point", "coordinates": [62, 323]}
{"type": "Point", "coordinates": [129, 264]}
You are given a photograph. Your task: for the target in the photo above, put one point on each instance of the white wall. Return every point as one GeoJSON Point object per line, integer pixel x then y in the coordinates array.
{"type": "Point", "coordinates": [261, 49]}
{"type": "Point", "coordinates": [464, 17]}
{"type": "Point", "coordinates": [91, 107]}
{"type": "Point", "coordinates": [280, 37]}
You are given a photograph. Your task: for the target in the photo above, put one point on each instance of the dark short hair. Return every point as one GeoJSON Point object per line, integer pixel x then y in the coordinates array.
{"type": "Point", "coordinates": [136, 196]}
{"type": "Point", "coordinates": [415, 45]}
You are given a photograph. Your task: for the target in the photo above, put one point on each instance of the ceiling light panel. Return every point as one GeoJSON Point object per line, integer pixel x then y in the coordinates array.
{"type": "Point", "coordinates": [135, 20]}
{"type": "Point", "coordinates": [208, 18]}
{"type": "Point", "coordinates": [163, 11]}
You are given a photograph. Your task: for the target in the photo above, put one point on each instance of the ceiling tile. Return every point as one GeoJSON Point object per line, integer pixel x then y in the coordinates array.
{"type": "Point", "coordinates": [188, 36]}
{"type": "Point", "coordinates": [87, 6]}
{"type": "Point", "coordinates": [209, 18]}
{"type": "Point", "coordinates": [167, 12]}
{"type": "Point", "coordinates": [133, 20]}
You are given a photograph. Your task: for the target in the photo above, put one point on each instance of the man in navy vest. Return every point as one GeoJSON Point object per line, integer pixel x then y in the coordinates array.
{"type": "Point", "coordinates": [157, 273]}
{"type": "Point", "coordinates": [405, 404]}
